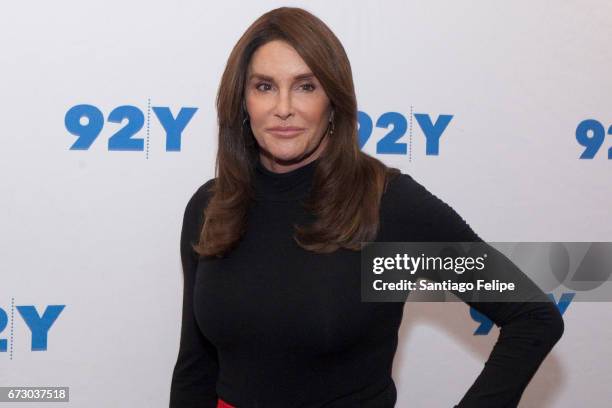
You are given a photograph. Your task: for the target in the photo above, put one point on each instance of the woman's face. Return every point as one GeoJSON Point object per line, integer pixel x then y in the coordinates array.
{"type": "Point", "coordinates": [281, 91]}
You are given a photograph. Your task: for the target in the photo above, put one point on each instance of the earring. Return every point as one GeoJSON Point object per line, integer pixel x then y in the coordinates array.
{"type": "Point", "coordinates": [331, 122]}
{"type": "Point", "coordinates": [249, 138]}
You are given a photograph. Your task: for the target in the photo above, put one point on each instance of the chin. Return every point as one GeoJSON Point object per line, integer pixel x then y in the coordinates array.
{"type": "Point", "coordinates": [286, 154]}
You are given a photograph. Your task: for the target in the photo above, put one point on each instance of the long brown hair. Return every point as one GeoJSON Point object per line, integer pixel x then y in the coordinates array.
{"type": "Point", "coordinates": [348, 184]}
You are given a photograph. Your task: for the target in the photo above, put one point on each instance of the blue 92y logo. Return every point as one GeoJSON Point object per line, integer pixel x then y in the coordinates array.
{"type": "Point", "coordinates": [38, 324]}
{"type": "Point", "coordinates": [124, 139]}
{"type": "Point", "coordinates": [389, 143]}
{"type": "Point", "coordinates": [591, 134]}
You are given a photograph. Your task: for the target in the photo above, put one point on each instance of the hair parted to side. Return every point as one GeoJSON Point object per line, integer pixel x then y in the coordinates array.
{"type": "Point", "coordinates": [348, 184]}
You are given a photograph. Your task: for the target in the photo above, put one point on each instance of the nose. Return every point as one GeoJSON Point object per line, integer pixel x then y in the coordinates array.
{"type": "Point", "coordinates": [283, 105]}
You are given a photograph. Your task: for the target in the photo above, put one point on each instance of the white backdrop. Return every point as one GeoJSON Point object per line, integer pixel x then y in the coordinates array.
{"type": "Point", "coordinates": [97, 229]}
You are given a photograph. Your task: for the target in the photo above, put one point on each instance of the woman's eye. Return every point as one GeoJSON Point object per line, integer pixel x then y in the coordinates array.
{"type": "Point", "coordinates": [309, 87]}
{"type": "Point", "coordinates": [263, 87]}
{"type": "Point", "coordinates": [259, 86]}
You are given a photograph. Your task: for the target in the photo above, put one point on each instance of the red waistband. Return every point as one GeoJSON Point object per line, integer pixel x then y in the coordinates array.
{"type": "Point", "coordinates": [223, 404]}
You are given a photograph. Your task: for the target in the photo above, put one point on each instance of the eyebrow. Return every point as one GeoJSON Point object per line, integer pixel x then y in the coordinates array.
{"type": "Point", "coordinates": [307, 75]}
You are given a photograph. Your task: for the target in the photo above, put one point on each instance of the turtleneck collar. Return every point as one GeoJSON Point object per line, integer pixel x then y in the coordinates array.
{"type": "Point", "coordinates": [289, 186]}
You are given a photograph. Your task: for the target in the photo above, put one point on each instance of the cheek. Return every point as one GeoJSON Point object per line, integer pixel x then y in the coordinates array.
{"type": "Point", "coordinates": [320, 107]}
{"type": "Point", "coordinates": [258, 121]}
{"type": "Point", "coordinates": [255, 113]}
{"type": "Point", "coordinates": [315, 114]}
{"type": "Point", "coordinates": [257, 106]}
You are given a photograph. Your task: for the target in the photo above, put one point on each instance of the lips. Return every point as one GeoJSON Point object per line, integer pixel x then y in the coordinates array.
{"type": "Point", "coordinates": [285, 131]}
{"type": "Point", "coordinates": [283, 128]}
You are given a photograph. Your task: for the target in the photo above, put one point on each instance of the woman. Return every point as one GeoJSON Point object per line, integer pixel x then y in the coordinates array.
{"type": "Point", "coordinates": [272, 315]}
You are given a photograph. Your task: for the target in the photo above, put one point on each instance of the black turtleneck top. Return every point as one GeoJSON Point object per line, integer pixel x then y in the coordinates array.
{"type": "Point", "coordinates": [272, 325]}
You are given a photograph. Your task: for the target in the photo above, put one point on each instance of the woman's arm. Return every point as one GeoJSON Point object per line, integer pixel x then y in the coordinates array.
{"type": "Point", "coordinates": [529, 330]}
{"type": "Point", "coordinates": [195, 373]}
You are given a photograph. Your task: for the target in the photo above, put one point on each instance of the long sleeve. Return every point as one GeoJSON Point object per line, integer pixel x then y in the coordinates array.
{"type": "Point", "coordinates": [195, 373]}
{"type": "Point", "coordinates": [528, 330]}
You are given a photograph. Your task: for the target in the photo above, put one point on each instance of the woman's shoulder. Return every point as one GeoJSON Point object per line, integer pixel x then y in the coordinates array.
{"type": "Point", "coordinates": [408, 202]}
{"type": "Point", "coordinates": [405, 191]}
{"type": "Point", "coordinates": [204, 191]}
{"type": "Point", "coordinates": [199, 199]}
